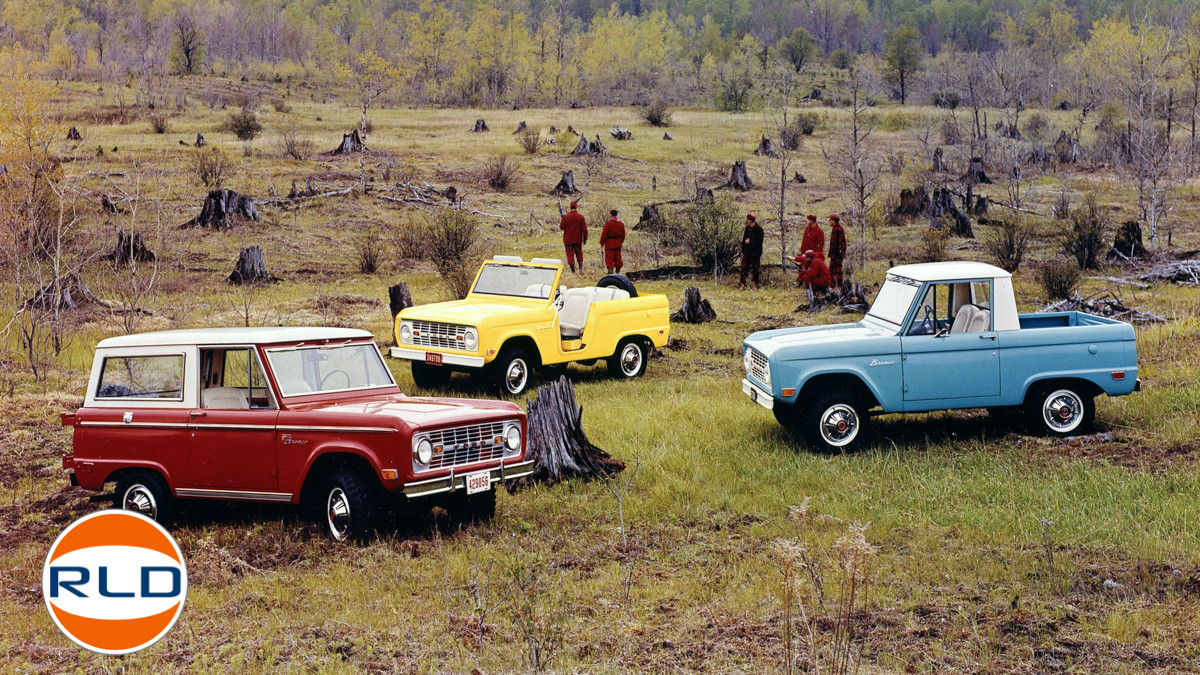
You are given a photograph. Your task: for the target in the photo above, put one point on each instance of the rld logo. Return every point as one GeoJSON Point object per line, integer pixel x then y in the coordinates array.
{"type": "Point", "coordinates": [114, 582]}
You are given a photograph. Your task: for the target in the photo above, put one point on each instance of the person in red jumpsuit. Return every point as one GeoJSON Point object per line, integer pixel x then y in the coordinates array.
{"type": "Point", "coordinates": [612, 238]}
{"type": "Point", "coordinates": [814, 236]}
{"type": "Point", "coordinates": [574, 229]}
{"type": "Point", "coordinates": [837, 249]}
{"type": "Point", "coordinates": [814, 273]}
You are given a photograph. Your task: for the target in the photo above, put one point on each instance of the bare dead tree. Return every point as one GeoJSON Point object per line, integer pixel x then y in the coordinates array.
{"type": "Point", "coordinates": [853, 160]}
{"type": "Point", "coordinates": [134, 281]}
{"type": "Point", "coordinates": [781, 163]}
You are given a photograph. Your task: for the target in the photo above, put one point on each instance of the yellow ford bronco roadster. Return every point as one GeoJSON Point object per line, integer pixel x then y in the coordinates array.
{"type": "Point", "coordinates": [517, 318]}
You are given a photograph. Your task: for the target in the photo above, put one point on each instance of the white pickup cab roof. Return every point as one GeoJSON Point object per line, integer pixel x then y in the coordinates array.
{"type": "Point", "coordinates": [232, 336]}
{"type": "Point", "coordinates": [949, 271]}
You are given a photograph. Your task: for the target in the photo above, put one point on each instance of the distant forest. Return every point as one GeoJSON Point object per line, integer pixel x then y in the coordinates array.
{"type": "Point", "coordinates": [567, 52]}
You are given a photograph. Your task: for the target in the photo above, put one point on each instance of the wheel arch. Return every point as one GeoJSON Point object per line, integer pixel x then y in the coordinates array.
{"type": "Point", "coordinates": [522, 341]}
{"type": "Point", "coordinates": [851, 382]}
{"type": "Point", "coordinates": [1082, 385]}
{"type": "Point", "coordinates": [324, 463]}
{"type": "Point", "coordinates": [119, 474]}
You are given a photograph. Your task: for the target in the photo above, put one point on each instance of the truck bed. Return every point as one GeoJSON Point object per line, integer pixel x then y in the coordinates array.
{"type": "Point", "coordinates": [1063, 320]}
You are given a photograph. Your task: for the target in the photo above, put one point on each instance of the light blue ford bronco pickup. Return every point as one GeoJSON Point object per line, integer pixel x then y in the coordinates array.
{"type": "Point", "coordinates": [940, 336]}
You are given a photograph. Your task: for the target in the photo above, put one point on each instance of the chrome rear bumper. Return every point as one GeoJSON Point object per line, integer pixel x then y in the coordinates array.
{"type": "Point", "coordinates": [457, 481]}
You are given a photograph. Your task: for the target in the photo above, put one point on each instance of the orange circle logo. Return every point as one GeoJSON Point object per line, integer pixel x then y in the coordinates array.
{"type": "Point", "coordinates": [114, 582]}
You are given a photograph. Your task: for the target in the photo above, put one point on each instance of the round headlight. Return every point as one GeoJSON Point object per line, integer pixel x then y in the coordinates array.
{"type": "Point", "coordinates": [512, 438]}
{"type": "Point", "coordinates": [424, 451]}
{"type": "Point", "coordinates": [471, 339]}
{"type": "Point", "coordinates": [405, 332]}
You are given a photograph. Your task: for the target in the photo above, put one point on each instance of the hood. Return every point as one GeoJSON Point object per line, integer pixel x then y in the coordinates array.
{"type": "Point", "coordinates": [844, 339]}
{"type": "Point", "coordinates": [421, 412]}
{"type": "Point", "coordinates": [475, 312]}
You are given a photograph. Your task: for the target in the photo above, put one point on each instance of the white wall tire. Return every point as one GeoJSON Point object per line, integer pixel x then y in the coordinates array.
{"type": "Point", "coordinates": [629, 361]}
{"type": "Point", "coordinates": [836, 422]}
{"type": "Point", "coordinates": [1062, 411]}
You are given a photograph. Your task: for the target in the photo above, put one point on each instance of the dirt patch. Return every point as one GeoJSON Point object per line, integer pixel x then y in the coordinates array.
{"type": "Point", "coordinates": [1112, 448]}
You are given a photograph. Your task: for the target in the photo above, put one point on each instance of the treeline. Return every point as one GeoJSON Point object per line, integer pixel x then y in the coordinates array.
{"type": "Point", "coordinates": [556, 52]}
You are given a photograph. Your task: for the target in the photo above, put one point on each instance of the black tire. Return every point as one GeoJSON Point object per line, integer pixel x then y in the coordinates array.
{"type": "Point", "coordinates": [1060, 410]}
{"type": "Point", "coordinates": [350, 503]}
{"type": "Point", "coordinates": [426, 376]}
{"type": "Point", "coordinates": [629, 361]}
{"type": "Point", "coordinates": [835, 421]}
{"type": "Point", "coordinates": [618, 281]}
{"type": "Point", "coordinates": [146, 492]}
{"type": "Point", "coordinates": [511, 372]}
{"type": "Point", "coordinates": [464, 509]}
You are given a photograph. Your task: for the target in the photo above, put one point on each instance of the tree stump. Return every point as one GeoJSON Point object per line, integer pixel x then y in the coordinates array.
{"type": "Point", "coordinates": [74, 135]}
{"type": "Point", "coordinates": [667, 137]}
{"type": "Point", "coordinates": [975, 173]}
{"type": "Point", "coordinates": [200, 142]}
{"type": "Point", "coordinates": [799, 178]}
{"type": "Point", "coordinates": [939, 161]}
{"type": "Point", "coordinates": [480, 127]}
{"type": "Point", "coordinates": [351, 144]}
{"type": "Point", "coordinates": [703, 195]}
{"type": "Point", "coordinates": [566, 185]}
{"type": "Point", "coordinates": [552, 130]}
{"type": "Point", "coordinates": [766, 148]}
{"type": "Point", "coordinates": [694, 309]}
{"type": "Point", "coordinates": [1066, 149]}
{"type": "Point", "coordinates": [223, 209]}
{"type": "Point", "coordinates": [66, 294]}
{"type": "Point", "coordinates": [1128, 241]}
{"type": "Point", "coordinates": [650, 219]}
{"type": "Point", "coordinates": [521, 127]}
{"type": "Point", "coordinates": [109, 206]}
{"type": "Point", "coordinates": [586, 147]}
{"type": "Point", "coordinates": [251, 268]}
{"type": "Point", "coordinates": [738, 178]}
{"type": "Point", "coordinates": [451, 194]}
{"type": "Point", "coordinates": [912, 203]}
{"type": "Point", "coordinates": [556, 443]}
{"type": "Point", "coordinates": [571, 130]}
{"type": "Point", "coordinates": [621, 134]}
{"type": "Point", "coordinates": [398, 300]}
{"type": "Point", "coordinates": [130, 248]}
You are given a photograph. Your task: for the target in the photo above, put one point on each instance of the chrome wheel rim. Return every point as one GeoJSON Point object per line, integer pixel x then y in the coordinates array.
{"type": "Point", "coordinates": [1062, 411]}
{"type": "Point", "coordinates": [631, 360]}
{"type": "Point", "coordinates": [139, 499]}
{"type": "Point", "coordinates": [515, 376]}
{"type": "Point", "coordinates": [839, 425]}
{"type": "Point", "coordinates": [337, 513]}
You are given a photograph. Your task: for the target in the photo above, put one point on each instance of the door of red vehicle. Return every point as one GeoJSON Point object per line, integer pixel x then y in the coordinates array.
{"type": "Point", "coordinates": [231, 442]}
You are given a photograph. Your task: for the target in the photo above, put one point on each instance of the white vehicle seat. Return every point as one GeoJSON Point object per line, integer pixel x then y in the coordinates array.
{"type": "Point", "coordinates": [294, 387]}
{"type": "Point", "coordinates": [576, 304]}
{"type": "Point", "coordinates": [538, 291]}
{"type": "Point", "coordinates": [224, 398]}
{"type": "Point", "coordinates": [962, 320]}
{"type": "Point", "coordinates": [981, 323]}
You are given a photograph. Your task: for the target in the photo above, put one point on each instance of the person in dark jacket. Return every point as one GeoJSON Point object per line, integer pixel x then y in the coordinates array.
{"type": "Point", "coordinates": [752, 248]}
{"type": "Point", "coordinates": [612, 238]}
{"type": "Point", "coordinates": [837, 250]}
{"type": "Point", "coordinates": [574, 229]}
{"type": "Point", "coordinates": [814, 273]}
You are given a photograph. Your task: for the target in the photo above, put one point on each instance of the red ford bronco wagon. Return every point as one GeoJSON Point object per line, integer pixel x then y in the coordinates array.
{"type": "Point", "coordinates": [289, 415]}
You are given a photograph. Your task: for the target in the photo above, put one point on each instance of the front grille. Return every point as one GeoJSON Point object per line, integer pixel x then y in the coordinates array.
{"type": "Point", "coordinates": [466, 445]}
{"type": "Point", "coordinates": [758, 366]}
{"type": "Point", "coordinates": [437, 334]}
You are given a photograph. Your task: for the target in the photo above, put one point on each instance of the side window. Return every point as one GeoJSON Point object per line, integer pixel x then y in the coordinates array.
{"type": "Point", "coordinates": [157, 377]}
{"type": "Point", "coordinates": [234, 379]}
{"type": "Point", "coordinates": [982, 292]}
{"type": "Point", "coordinates": [934, 312]}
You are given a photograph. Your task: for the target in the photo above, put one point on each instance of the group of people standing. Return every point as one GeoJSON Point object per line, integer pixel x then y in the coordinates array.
{"type": "Point", "coordinates": [575, 235]}
{"type": "Point", "coordinates": [814, 273]}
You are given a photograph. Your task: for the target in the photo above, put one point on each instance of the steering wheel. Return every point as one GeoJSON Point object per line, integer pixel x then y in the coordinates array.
{"type": "Point", "coordinates": [928, 323]}
{"type": "Point", "coordinates": [331, 374]}
{"type": "Point", "coordinates": [559, 300]}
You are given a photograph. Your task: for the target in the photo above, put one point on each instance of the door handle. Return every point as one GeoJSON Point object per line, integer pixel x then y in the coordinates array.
{"type": "Point", "coordinates": [197, 413]}
{"type": "Point", "coordinates": [987, 337]}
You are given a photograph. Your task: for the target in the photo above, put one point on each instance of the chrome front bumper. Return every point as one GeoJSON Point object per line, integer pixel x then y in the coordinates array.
{"type": "Point", "coordinates": [758, 394]}
{"type": "Point", "coordinates": [457, 481]}
{"type": "Point", "coordinates": [447, 359]}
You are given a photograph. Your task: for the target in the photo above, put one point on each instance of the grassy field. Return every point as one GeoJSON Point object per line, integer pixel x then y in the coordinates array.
{"type": "Point", "coordinates": [994, 551]}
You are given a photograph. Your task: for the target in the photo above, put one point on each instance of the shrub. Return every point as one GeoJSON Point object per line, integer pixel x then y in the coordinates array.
{"type": "Point", "coordinates": [712, 234]}
{"type": "Point", "coordinates": [530, 140]}
{"type": "Point", "coordinates": [946, 99]}
{"type": "Point", "coordinates": [368, 127]}
{"type": "Point", "coordinates": [1085, 233]}
{"type": "Point", "coordinates": [293, 142]}
{"type": "Point", "coordinates": [1007, 243]}
{"type": "Point", "coordinates": [281, 106]}
{"type": "Point", "coordinates": [657, 113]}
{"type": "Point", "coordinates": [841, 59]}
{"type": "Point", "coordinates": [160, 123]}
{"type": "Point", "coordinates": [408, 238]}
{"type": "Point", "coordinates": [804, 124]}
{"type": "Point", "coordinates": [934, 243]}
{"type": "Point", "coordinates": [1058, 278]}
{"type": "Point", "coordinates": [451, 242]}
{"type": "Point", "coordinates": [1037, 127]}
{"type": "Point", "coordinates": [368, 251]}
{"type": "Point", "coordinates": [243, 124]}
{"type": "Point", "coordinates": [808, 121]}
{"type": "Point", "coordinates": [500, 172]}
{"type": "Point", "coordinates": [211, 165]}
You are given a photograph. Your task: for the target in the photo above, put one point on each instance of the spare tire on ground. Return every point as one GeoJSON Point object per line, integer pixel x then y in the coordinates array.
{"type": "Point", "coordinates": [618, 281]}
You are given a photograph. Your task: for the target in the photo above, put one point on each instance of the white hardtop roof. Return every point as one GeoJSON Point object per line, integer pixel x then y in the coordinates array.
{"type": "Point", "coordinates": [949, 271]}
{"type": "Point", "coordinates": [232, 336]}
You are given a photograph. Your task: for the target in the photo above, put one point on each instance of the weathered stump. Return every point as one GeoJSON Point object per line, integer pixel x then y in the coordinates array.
{"type": "Point", "coordinates": [351, 143]}
{"type": "Point", "coordinates": [703, 195]}
{"type": "Point", "coordinates": [586, 147]}
{"type": "Point", "coordinates": [975, 174]}
{"type": "Point", "coordinates": [251, 268]}
{"type": "Point", "coordinates": [130, 248]}
{"type": "Point", "coordinates": [738, 178]}
{"type": "Point", "coordinates": [74, 135]}
{"type": "Point", "coordinates": [398, 300]}
{"type": "Point", "coordinates": [556, 443]}
{"type": "Point", "coordinates": [480, 126]}
{"type": "Point", "coordinates": [200, 142]}
{"type": "Point", "coordinates": [912, 203]}
{"type": "Point", "coordinates": [621, 134]}
{"type": "Point", "coordinates": [109, 206]}
{"type": "Point", "coordinates": [939, 160]}
{"type": "Point", "coordinates": [766, 148]}
{"type": "Point", "coordinates": [799, 178]}
{"type": "Point", "coordinates": [66, 294]}
{"type": "Point", "coordinates": [223, 209]}
{"type": "Point", "coordinates": [521, 127]}
{"type": "Point", "coordinates": [1066, 149]}
{"type": "Point", "coordinates": [694, 309]}
{"type": "Point", "coordinates": [1128, 241]}
{"type": "Point", "coordinates": [650, 219]}
{"type": "Point", "coordinates": [852, 298]}
{"type": "Point", "coordinates": [667, 137]}
{"type": "Point", "coordinates": [566, 185]}
{"type": "Point", "coordinates": [552, 130]}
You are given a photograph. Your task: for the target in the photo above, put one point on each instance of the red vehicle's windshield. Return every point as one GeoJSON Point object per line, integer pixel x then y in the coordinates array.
{"type": "Point", "coordinates": [305, 369]}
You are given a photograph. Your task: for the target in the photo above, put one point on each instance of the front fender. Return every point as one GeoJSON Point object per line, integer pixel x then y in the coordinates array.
{"type": "Point", "coordinates": [883, 377]}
